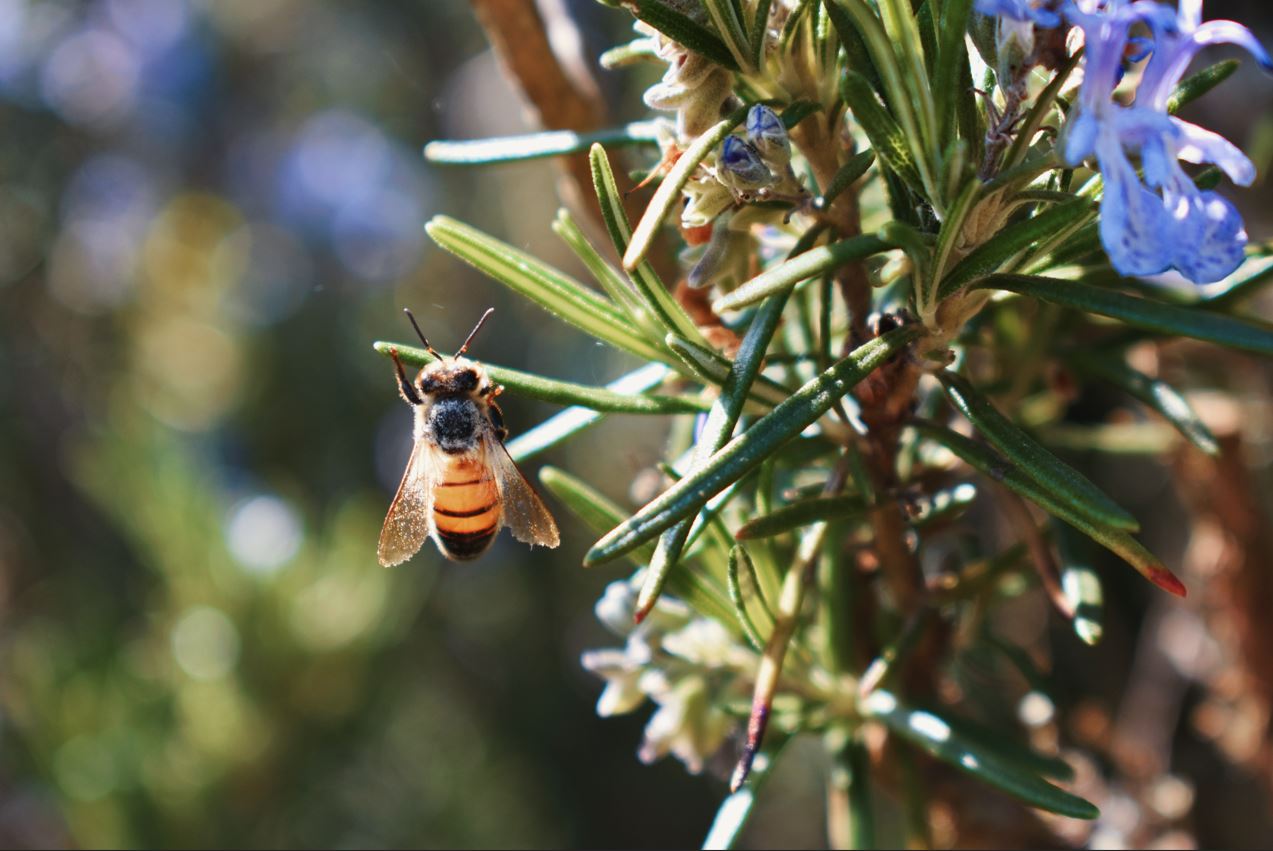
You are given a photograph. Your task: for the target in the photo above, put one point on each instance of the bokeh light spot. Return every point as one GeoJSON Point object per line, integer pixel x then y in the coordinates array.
{"type": "Point", "coordinates": [205, 643]}
{"type": "Point", "coordinates": [263, 533]}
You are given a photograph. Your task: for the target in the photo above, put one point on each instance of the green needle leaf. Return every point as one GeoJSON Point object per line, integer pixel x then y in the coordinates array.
{"type": "Point", "coordinates": [739, 598]}
{"type": "Point", "coordinates": [1115, 540]}
{"type": "Point", "coordinates": [662, 307]}
{"type": "Point", "coordinates": [567, 392]}
{"type": "Point", "coordinates": [788, 273]}
{"type": "Point", "coordinates": [802, 513]}
{"type": "Point", "coordinates": [941, 739]}
{"type": "Point", "coordinates": [571, 421]}
{"type": "Point", "coordinates": [555, 291]}
{"type": "Point", "coordinates": [1060, 479]}
{"type": "Point", "coordinates": [759, 26]}
{"type": "Point", "coordinates": [1197, 85]}
{"type": "Point", "coordinates": [886, 135]}
{"type": "Point", "coordinates": [616, 285]}
{"type": "Point", "coordinates": [1155, 394]}
{"type": "Point", "coordinates": [713, 368]}
{"type": "Point", "coordinates": [598, 513]}
{"type": "Point", "coordinates": [668, 195]}
{"type": "Point", "coordinates": [736, 809]}
{"type": "Point", "coordinates": [720, 424]}
{"type": "Point", "coordinates": [848, 174]}
{"type": "Point", "coordinates": [749, 449]}
{"type": "Point", "coordinates": [683, 30]}
{"type": "Point", "coordinates": [1140, 312]}
{"type": "Point", "coordinates": [725, 16]}
{"type": "Point", "coordinates": [532, 146]}
{"type": "Point", "coordinates": [992, 256]}
{"type": "Point", "coordinates": [952, 53]}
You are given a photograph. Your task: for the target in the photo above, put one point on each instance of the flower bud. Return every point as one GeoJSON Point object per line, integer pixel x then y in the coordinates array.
{"type": "Point", "coordinates": [1014, 47]}
{"type": "Point", "coordinates": [741, 167]}
{"type": "Point", "coordinates": [622, 675]}
{"type": "Point", "coordinates": [687, 724]}
{"type": "Point", "coordinates": [616, 607]}
{"type": "Point", "coordinates": [768, 134]}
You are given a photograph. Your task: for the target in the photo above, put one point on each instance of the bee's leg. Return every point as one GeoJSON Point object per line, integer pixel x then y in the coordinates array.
{"type": "Point", "coordinates": [497, 420]}
{"type": "Point", "coordinates": [404, 386]}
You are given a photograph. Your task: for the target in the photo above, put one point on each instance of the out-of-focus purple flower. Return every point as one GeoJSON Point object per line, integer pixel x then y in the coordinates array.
{"type": "Point", "coordinates": [1037, 12]}
{"type": "Point", "coordinates": [1163, 221]}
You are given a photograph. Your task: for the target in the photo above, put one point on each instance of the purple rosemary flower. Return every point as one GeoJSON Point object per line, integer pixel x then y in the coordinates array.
{"type": "Point", "coordinates": [768, 135]}
{"type": "Point", "coordinates": [742, 167]}
{"type": "Point", "coordinates": [1037, 12]}
{"type": "Point", "coordinates": [1162, 221]}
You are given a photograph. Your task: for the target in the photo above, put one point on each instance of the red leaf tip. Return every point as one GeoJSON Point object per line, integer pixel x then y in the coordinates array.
{"type": "Point", "coordinates": [1166, 580]}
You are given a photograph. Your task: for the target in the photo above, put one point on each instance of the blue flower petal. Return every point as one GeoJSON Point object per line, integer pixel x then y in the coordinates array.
{"type": "Point", "coordinates": [1209, 237]}
{"type": "Point", "coordinates": [1134, 226]}
{"type": "Point", "coordinates": [1203, 146]}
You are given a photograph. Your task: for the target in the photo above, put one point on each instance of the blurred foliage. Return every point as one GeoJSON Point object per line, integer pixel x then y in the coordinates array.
{"type": "Point", "coordinates": [207, 210]}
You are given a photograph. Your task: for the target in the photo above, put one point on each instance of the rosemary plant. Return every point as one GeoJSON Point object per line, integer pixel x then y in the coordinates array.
{"type": "Point", "coordinates": [902, 227]}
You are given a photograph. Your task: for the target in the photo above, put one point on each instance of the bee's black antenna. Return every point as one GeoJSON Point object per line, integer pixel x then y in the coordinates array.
{"type": "Point", "coordinates": [478, 327]}
{"type": "Point", "coordinates": [420, 334]}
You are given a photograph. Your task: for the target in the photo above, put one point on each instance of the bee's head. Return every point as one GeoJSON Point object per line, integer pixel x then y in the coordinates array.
{"type": "Point", "coordinates": [455, 375]}
{"type": "Point", "coordinates": [451, 377]}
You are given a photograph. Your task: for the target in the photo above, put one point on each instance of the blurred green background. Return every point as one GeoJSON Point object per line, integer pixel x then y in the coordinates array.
{"type": "Point", "coordinates": [208, 212]}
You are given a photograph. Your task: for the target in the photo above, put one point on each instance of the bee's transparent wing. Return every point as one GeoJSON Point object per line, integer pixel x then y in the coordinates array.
{"type": "Point", "coordinates": [410, 518]}
{"type": "Point", "coordinates": [525, 514]}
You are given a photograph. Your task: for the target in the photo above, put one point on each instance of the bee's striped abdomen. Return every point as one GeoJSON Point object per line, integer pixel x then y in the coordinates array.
{"type": "Point", "coordinates": [466, 509]}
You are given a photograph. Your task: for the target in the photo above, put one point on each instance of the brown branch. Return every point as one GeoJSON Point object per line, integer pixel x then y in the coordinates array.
{"type": "Point", "coordinates": [560, 99]}
{"type": "Point", "coordinates": [817, 141]}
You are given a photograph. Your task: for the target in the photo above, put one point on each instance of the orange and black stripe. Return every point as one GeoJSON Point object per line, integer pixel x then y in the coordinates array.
{"type": "Point", "coordinates": [466, 509]}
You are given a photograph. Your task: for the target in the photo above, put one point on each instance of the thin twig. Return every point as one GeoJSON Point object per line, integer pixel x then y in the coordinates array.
{"type": "Point", "coordinates": [1041, 554]}
{"type": "Point", "coordinates": [790, 600]}
{"type": "Point", "coordinates": [560, 99]}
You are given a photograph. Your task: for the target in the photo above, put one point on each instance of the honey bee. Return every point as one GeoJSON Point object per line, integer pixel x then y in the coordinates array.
{"type": "Point", "coordinates": [460, 485]}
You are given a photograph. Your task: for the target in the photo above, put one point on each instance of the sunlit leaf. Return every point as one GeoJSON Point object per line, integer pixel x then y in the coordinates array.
{"type": "Point", "coordinates": [683, 30]}
{"type": "Point", "coordinates": [735, 810]}
{"type": "Point", "coordinates": [887, 137]}
{"type": "Point", "coordinates": [668, 195]}
{"type": "Point", "coordinates": [556, 292]}
{"type": "Point", "coordinates": [1000, 469]}
{"type": "Point", "coordinates": [1015, 238]}
{"type": "Point", "coordinates": [1154, 393]}
{"type": "Point", "coordinates": [571, 421]}
{"type": "Point", "coordinates": [719, 425]}
{"type": "Point", "coordinates": [750, 448]}
{"type": "Point", "coordinates": [567, 392]}
{"type": "Point", "coordinates": [787, 274]}
{"type": "Point", "coordinates": [802, 513]}
{"type": "Point", "coordinates": [1059, 479]}
{"type": "Point", "coordinates": [935, 735]}
{"type": "Point", "coordinates": [658, 302]}
{"type": "Point", "coordinates": [548, 143]}
{"type": "Point", "coordinates": [1140, 312]}
{"type": "Point", "coordinates": [598, 512]}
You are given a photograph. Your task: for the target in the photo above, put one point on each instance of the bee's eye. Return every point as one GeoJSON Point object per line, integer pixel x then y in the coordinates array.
{"type": "Point", "coordinates": [466, 381]}
{"type": "Point", "coordinates": [428, 384]}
